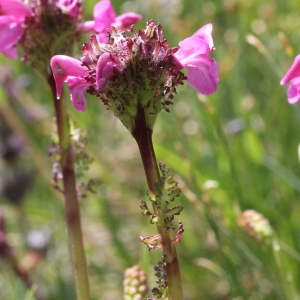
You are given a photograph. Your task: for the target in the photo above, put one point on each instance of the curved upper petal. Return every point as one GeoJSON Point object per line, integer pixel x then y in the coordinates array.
{"type": "Point", "coordinates": [192, 51]}
{"type": "Point", "coordinates": [205, 33]}
{"type": "Point", "coordinates": [293, 72]}
{"type": "Point", "coordinates": [64, 66]}
{"type": "Point", "coordinates": [104, 15]}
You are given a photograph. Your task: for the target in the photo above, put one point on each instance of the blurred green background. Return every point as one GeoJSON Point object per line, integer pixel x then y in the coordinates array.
{"type": "Point", "coordinates": [232, 151]}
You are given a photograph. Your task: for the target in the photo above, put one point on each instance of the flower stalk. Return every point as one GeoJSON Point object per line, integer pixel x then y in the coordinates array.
{"type": "Point", "coordinates": [72, 209]}
{"type": "Point", "coordinates": [143, 136]}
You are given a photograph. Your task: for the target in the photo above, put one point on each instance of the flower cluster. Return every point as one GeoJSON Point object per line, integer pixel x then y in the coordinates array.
{"type": "Point", "coordinates": [42, 29]}
{"type": "Point", "coordinates": [132, 70]}
{"type": "Point", "coordinates": [293, 77]}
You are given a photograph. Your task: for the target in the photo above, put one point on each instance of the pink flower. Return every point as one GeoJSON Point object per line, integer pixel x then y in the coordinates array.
{"type": "Point", "coordinates": [12, 17]}
{"type": "Point", "coordinates": [68, 69]}
{"type": "Point", "coordinates": [69, 7]}
{"type": "Point", "coordinates": [105, 69]}
{"type": "Point", "coordinates": [105, 17]}
{"type": "Point", "coordinates": [193, 54]}
{"type": "Point", "coordinates": [293, 77]}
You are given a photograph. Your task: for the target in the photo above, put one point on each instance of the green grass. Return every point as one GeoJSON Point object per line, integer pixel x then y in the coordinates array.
{"type": "Point", "coordinates": [255, 167]}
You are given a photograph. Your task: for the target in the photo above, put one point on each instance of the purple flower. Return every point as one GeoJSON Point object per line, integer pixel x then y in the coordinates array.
{"type": "Point", "coordinates": [293, 77]}
{"type": "Point", "coordinates": [105, 17]}
{"type": "Point", "coordinates": [193, 54]}
{"type": "Point", "coordinates": [68, 69]}
{"type": "Point", "coordinates": [12, 17]}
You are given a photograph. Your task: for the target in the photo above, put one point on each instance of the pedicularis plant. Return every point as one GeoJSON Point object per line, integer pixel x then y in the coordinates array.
{"type": "Point", "coordinates": [135, 74]}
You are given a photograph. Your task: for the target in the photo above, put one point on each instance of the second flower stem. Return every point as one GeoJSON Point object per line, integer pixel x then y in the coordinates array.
{"type": "Point", "coordinates": [72, 209]}
{"type": "Point", "coordinates": [143, 136]}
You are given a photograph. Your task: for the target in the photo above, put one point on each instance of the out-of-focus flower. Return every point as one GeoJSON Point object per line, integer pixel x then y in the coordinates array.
{"type": "Point", "coordinates": [39, 29]}
{"type": "Point", "coordinates": [256, 226]}
{"type": "Point", "coordinates": [12, 23]}
{"type": "Point", "coordinates": [134, 71]}
{"type": "Point", "coordinates": [293, 77]}
{"type": "Point", "coordinates": [105, 17]}
{"type": "Point", "coordinates": [193, 54]}
{"type": "Point", "coordinates": [42, 29]}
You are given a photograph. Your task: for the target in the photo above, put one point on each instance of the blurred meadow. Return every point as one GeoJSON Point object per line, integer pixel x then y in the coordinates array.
{"type": "Point", "coordinates": [232, 151]}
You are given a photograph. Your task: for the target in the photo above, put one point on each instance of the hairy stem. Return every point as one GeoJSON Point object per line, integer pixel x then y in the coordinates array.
{"type": "Point", "coordinates": [143, 136]}
{"type": "Point", "coordinates": [72, 209]}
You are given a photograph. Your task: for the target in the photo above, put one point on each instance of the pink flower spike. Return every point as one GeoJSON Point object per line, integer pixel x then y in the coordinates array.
{"type": "Point", "coordinates": [64, 67]}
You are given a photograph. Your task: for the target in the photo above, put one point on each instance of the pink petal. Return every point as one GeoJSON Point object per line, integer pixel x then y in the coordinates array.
{"type": "Point", "coordinates": [124, 21]}
{"type": "Point", "coordinates": [205, 33]}
{"type": "Point", "coordinates": [77, 86]}
{"type": "Point", "coordinates": [10, 33]}
{"type": "Point", "coordinates": [105, 69]}
{"type": "Point", "coordinates": [15, 8]}
{"type": "Point", "coordinates": [64, 66]}
{"type": "Point", "coordinates": [293, 72]}
{"type": "Point", "coordinates": [86, 26]}
{"type": "Point", "coordinates": [69, 7]}
{"type": "Point", "coordinates": [204, 78]}
{"type": "Point", "coordinates": [192, 51]}
{"type": "Point", "coordinates": [293, 91]}
{"type": "Point", "coordinates": [104, 15]}
{"type": "Point", "coordinates": [10, 53]}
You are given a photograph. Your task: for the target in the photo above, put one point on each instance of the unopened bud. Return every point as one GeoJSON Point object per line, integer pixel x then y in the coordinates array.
{"type": "Point", "coordinates": [256, 226]}
{"type": "Point", "coordinates": [135, 283]}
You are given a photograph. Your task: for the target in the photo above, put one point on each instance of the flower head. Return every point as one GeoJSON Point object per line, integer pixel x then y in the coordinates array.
{"type": "Point", "coordinates": [193, 54]}
{"type": "Point", "coordinates": [133, 71]}
{"type": "Point", "coordinates": [293, 77]}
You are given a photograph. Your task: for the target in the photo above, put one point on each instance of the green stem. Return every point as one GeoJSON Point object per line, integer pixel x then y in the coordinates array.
{"type": "Point", "coordinates": [143, 136]}
{"type": "Point", "coordinates": [72, 209]}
